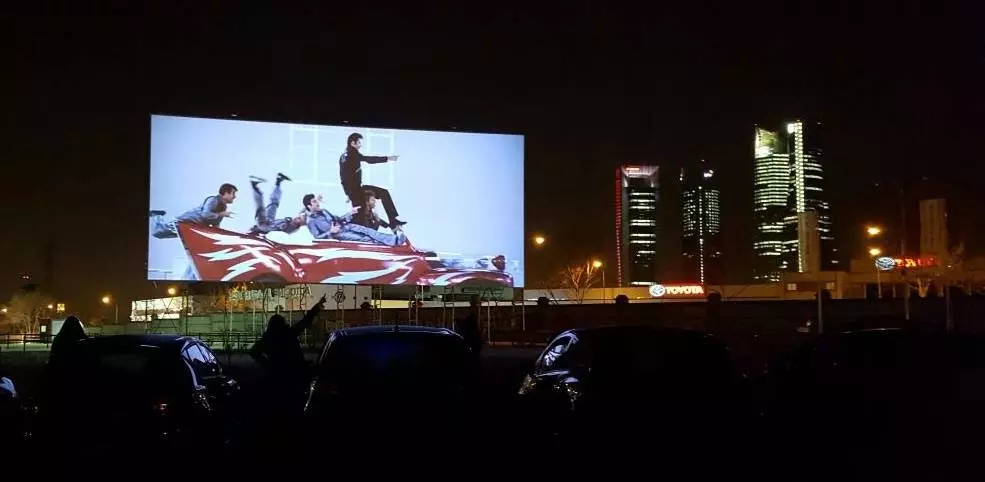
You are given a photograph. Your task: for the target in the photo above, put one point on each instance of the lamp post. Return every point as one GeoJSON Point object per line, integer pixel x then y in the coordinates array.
{"type": "Point", "coordinates": [874, 253]}
{"type": "Point", "coordinates": [873, 231]}
{"type": "Point", "coordinates": [107, 300]}
{"type": "Point", "coordinates": [597, 265]}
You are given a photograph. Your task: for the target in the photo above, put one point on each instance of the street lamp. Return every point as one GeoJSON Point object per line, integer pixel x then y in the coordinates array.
{"type": "Point", "coordinates": [876, 252]}
{"type": "Point", "coordinates": [3, 310]}
{"type": "Point", "coordinates": [539, 240]}
{"type": "Point", "coordinates": [873, 231]}
{"type": "Point", "coordinates": [172, 291]}
{"type": "Point", "coordinates": [107, 300]}
{"type": "Point", "coordinates": [597, 265]}
{"type": "Point", "coordinates": [51, 306]}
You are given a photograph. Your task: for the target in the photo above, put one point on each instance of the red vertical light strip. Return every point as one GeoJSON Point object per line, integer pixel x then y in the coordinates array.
{"type": "Point", "coordinates": [619, 226]}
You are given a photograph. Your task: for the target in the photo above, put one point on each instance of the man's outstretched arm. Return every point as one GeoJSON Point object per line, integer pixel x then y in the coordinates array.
{"type": "Point", "coordinates": [376, 159]}
{"type": "Point", "coordinates": [309, 317]}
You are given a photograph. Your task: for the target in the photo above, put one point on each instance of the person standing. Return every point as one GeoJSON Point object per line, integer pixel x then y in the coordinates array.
{"type": "Point", "coordinates": [351, 174]}
{"type": "Point", "coordinates": [468, 327]}
{"type": "Point", "coordinates": [285, 377]}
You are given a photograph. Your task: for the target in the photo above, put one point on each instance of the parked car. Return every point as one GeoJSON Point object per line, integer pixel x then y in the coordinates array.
{"type": "Point", "coordinates": [16, 414]}
{"type": "Point", "coordinates": [129, 390]}
{"type": "Point", "coordinates": [876, 399]}
{"type": "Point", "coordinates": [391, 380]}
{"type": "Point", "coordinates": [620, 382]}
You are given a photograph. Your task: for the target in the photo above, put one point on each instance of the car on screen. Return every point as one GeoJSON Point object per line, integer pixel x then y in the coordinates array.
{"type": "Point", "coordinates": [221, 255]}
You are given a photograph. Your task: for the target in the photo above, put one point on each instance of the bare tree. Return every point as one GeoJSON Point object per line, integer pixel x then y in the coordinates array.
{"type": "Point", "coordinates": [26, 309]}
{"type": "Point", "coordinates": [577, 279]}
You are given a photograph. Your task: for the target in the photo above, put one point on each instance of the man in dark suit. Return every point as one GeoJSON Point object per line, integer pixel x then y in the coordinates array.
{"type": "Point", "coordinates": [351, 174]}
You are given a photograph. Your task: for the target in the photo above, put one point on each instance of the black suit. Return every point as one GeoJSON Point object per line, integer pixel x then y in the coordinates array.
{"type": "Point", "coordinates": [351, 174]}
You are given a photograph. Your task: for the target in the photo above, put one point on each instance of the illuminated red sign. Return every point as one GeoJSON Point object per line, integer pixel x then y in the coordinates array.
{"type": "Point", "coordinates": [886, 263]}
{"type": "Point", "coordinates": [923, 262]}
{"type": "Point", "coordinates": [661, 291]}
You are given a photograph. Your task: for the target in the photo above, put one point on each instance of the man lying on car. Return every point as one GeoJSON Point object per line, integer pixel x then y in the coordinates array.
{"type": "Point", "coordinates": [325, 225]}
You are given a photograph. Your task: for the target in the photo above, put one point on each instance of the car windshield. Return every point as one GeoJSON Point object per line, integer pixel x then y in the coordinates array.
{"type": "Point", "coordinates": [399, 358]}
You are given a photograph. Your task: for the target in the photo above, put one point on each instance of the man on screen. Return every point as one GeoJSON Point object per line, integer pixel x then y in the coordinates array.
{"type": "Point", "coordinates": [367, 215]}
{"type": "Point", "coordinates": [325, 225]}
{"type": "Point", "coordinates": [212, 211]}
{"type": "Point", "coordinates": [266, 215]}
{"type": "Point", "coordinates": [351, 173]}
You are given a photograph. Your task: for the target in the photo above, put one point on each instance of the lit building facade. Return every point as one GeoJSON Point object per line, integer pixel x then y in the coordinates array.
{"type": "Point", "coordinates": [788, 181]}
{"type": "Point", "coordinates": [701, 225]}
{"type": "Point", "coordinates": [933, 228]}
{"type": "Point", "coordinates": [637, 194]}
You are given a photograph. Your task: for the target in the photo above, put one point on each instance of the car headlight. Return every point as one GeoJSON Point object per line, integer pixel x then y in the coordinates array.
{"type": "Point", "coordinates": [527, 386]}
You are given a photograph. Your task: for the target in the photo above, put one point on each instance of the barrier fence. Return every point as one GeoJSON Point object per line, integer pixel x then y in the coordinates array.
{"type": "Point", "coordinates": [755, 330]}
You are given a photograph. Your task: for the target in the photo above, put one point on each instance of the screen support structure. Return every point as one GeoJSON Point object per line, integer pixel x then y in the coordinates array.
{"type": "Point", "coordinates": [339, 306]}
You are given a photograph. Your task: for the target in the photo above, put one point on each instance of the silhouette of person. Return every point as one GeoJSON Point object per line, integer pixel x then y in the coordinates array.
{"type": "Point", "coordinates": [286, 372]}
{"type": "Point", "coordinates": [468, 327]}
{"type": "Point", "coordinates": [71, 333]}
{"type": "Point", "coordinates": [60, 384]}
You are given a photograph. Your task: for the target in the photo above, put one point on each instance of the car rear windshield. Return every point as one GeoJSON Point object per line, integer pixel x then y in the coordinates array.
{"type": "Point", "coordinates": [655, 352]}
{"type": "Point", "coordinates": [122, 366]}
{"type": "Point", "coordinates": [405, 357]}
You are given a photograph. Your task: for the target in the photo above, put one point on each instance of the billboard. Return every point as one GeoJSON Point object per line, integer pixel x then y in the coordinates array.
{"type": "Point", "coordinates": [236, 201]}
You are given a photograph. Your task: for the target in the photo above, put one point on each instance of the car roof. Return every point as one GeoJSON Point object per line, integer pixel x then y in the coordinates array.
{"type": "Point", "coordinates": [156, 340]}
{"type": "Point", "coordinates": [383, 329]}
{"type": "Point", "coordinates": [619, 331]}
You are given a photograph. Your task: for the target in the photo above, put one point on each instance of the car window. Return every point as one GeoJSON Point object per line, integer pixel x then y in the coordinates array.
{"type": "Point", "coordinates": [200, 362]}
{"type": "Point", "coordinates": [551, 359]}
{"type": "Point", "coordinates": [211, 362]}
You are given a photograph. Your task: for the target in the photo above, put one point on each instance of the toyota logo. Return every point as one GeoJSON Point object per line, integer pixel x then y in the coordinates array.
{"type": "Point", "coordinates": [658, 291]}
{"type": "Point", "coordinates": [885, 263]}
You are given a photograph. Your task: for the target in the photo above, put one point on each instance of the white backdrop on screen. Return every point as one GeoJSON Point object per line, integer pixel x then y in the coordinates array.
{"type": "Point", "coordinates": [459, 193]}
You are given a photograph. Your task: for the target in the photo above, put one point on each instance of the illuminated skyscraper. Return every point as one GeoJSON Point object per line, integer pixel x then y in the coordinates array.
{"type": "Point", "coordinates": [933, 228]}
{"type": "Point", "coordinates": [701, 225]}
{"type": "Point", "coordinates": [637, 193]}
{"type": "Point", "coordinates": [789, 180]}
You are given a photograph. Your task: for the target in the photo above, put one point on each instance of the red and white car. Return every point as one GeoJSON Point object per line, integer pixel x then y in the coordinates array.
{"type": "Point", "coordinates": [220, 255]}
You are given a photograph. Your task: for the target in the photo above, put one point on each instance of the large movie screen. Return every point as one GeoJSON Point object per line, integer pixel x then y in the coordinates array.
{"type": "Point", "coordinates": [239, 201]}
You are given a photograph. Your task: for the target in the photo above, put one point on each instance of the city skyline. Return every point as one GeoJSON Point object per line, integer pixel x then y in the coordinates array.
{"type": "Point", "coordinates": [592, 87]}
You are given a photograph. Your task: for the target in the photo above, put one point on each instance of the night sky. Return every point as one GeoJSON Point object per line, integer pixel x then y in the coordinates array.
{"type": "Point", "coordinates": [898, 86]}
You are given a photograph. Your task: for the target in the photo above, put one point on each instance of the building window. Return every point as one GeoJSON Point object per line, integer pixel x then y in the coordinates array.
{"type": "Point", "coordinates": [830, 285]}
{"type": "Point", "coordinates": [791, 286]}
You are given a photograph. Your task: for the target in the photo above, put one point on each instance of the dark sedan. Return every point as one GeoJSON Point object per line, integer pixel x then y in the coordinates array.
{"type": "Point", "coordinates": [893, 402]}
{"type": "Point", "coordinates": [633, 382]}
{"type": "Point", "coordinates": [132, 390]}
{"type": "Point", "coordinates": [393, 380]}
